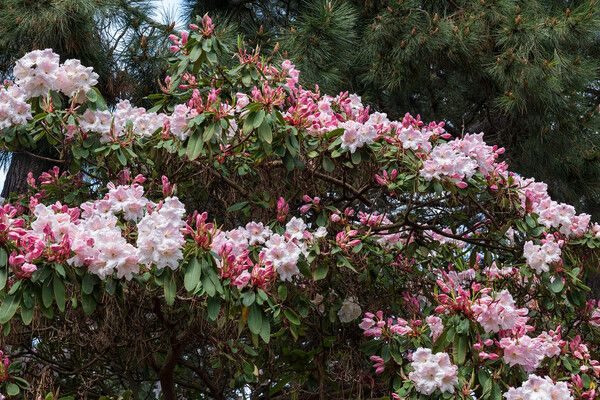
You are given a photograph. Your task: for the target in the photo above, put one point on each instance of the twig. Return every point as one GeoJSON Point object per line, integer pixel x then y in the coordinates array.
{"type": "Point", "coordinates": [42, 157]}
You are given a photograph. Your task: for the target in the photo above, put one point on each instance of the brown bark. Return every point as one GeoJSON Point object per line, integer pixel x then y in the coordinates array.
{"type": "Point", "coordinates": [20, 165]}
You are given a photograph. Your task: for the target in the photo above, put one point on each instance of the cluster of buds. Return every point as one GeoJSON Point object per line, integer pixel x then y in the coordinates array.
{"type": "Point", "coordinates": [344, 239]}
{"type": "Point", "coordinates": [269, 97]}
{"type": "Point", "coordinates": [10, 228]}
{"type": "Point", "coordinates": [282, 209]}
{"type": "Point", "coordinates": [204, 231]}
{"type": "Point", "coordinates": [263, 273]}
{"type": "Point", "coordinates": [4, 363]}
{"type": "Point", "coordinates": [167, 189]}
{"type": "Point", "coordinates": [386, 179]}
{"type": "Point", "coordinates": [178, 41]}
{"type": "Point", "coordinates": [310, 202]}
{"type": "Point", "coordinates": [51, 177]}
{"type": "Point", "coordinates": [374, 325]}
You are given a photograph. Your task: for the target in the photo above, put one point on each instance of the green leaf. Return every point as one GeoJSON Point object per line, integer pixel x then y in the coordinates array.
{"type": "Point", "coordinates": [460, 349]}
{"type": "Point", "coordinates": [87, 285]}
{"type": "Point", "coordinates": [210, 131]}
{"type": "Point", "coordinates": [496, 393]}
{"type": "Point", "coordinates": [258, 119]}
{"type": "Point", "coordinates": [557, 285]}
{"type": "Point", "coordinates": [9, 307]}
{"type": "Point", "coordinates": [248, 298]}
{"type": "Point", "coordinates": [47, 294]}
{"type": "Point", "coordinates": [26, 314]}
{"type": "Point", "coordinates": [280, 385]}
{"type": "Point", "coordinates": [255, 319]}
{"type": "Point", "coordinates": [237, 206]}
{"type": "Point", "coordinates": [12, 389]}
{"type": "Point", "coordinates": [344, 261]}
{"type": "Point", "coordinates": [530, 221]}
{"type": "Point", "coordinates": [100, 103]}
{"type": "Point", "coordinates": [192, 275]}
{"type": "Point", "coordinates": [264, 131]}
{"type": "Point", "coordinates": [92, 96]}
{"type": "Point", "coordinates": [265, 331]}
{"type": "Point", "coordinates": [282, 292]}
{"type": "Point", "coordinates": [321, 271]}
{"type": "Point", "coordinates": [3, 257]}
{"type": "Point", "coordinates": [207, 44]}
{"type": "Point", "coordinates": [249, 123]}
{"type": "Point", "coordinates": [211, 56]}
{"type": "Point", "coordinates": [292, 316]}
{"type": "Point", "coordinates": [484, 380]}
{"type": "Point", "coordinates": [88, 302]}
{"type": "Point", "coordinates": [195, 54]}
{"type": "Point", "coordinates": [328, 165]}
{"type": "Point", "coordinates": [170, 289]}
{"type": "Point", "coordinates": [59, 293]}
{"type": "Point", "coordinates": [3, 268]}
{"type": "Point", "coordinates": [22, 383]}
{"type": "Point", "coordinates": [213, 305]}
{"type": "Point", "coordinates": [3, 276]}
{"type": "Point", "coordinates": [371, 347]}
{"type": "Point", "coordinates": [207, 278]}
{"type": "Point", "coordinates": [194, 146]}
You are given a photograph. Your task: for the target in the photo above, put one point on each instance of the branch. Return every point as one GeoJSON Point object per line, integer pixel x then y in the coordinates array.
{"type": "Point", "coordinates": [227, 180]}
{"type": "Point", "coordinates": [42, 157]}
{"type": "Point", "coordinates": [346, 186]}
{"type": "Point", "coordinates": [207, 379]}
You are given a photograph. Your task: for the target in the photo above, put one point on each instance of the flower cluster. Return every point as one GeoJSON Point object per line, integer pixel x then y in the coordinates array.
{"type": "Point", "coordinates": [13, 107]}
{"type": "Point", "coordinates": [280, 252]}
{"type": "Point", "coordinates": [375, 325]}
{"type": "Point", "coordinates": [498, 312]}
{"type": "Point", "coordinates": [91, 236]}
{"type": "Point", "coordinates": [160, 240]}
{"type": "Point", "coordinates": [539, 257]}
{"type": "Point", "coordinates": [125, 121]}
{"type": "Point", "coordinates": [535, 199]}
{"type": "Point", "coordinates": [529, 352]}
{"type": "Point", "coordinates": [460, 159]}
{"type": "Point", "coordinates": [40, 71]}
{"type": "Point", "coordinates": [433, 371]}
{"type": "Point", "coordinates": [539, 388]}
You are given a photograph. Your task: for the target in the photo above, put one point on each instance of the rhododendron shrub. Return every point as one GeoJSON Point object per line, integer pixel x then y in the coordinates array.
{"type": "Point", "coordinates": [248, 236]}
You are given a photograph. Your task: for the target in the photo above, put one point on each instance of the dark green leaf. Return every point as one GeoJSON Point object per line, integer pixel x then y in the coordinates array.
{"type": "Point", "coordinates": [194, 146]}
{"type": "Point", "coordinates": [321, 271]}
{"type": "Point", "coordinates": [255, 319]}
{"type": "Point", "coordinates": [87, 285]}
{"type": "Point", "coordinates": [264, 131]}
{"type": "Point", "coordinates": [213, 307]}
{"type": "Point", "coordinates": [12, 389]}
{"type": "Point", "coordinates": [292, 316]}
{"type": "Point", "coordinates": [59, 292]}
{"type": "Point", "coordinates": [192, 275]}
{"type": "Point", "coordinates": [9, 307]}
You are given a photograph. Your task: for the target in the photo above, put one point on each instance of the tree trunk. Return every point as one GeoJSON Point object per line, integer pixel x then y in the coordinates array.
{"type": "Point", "coordinates": [20, 165]}
{"type": "Point", "coordinates": [594, 284]}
